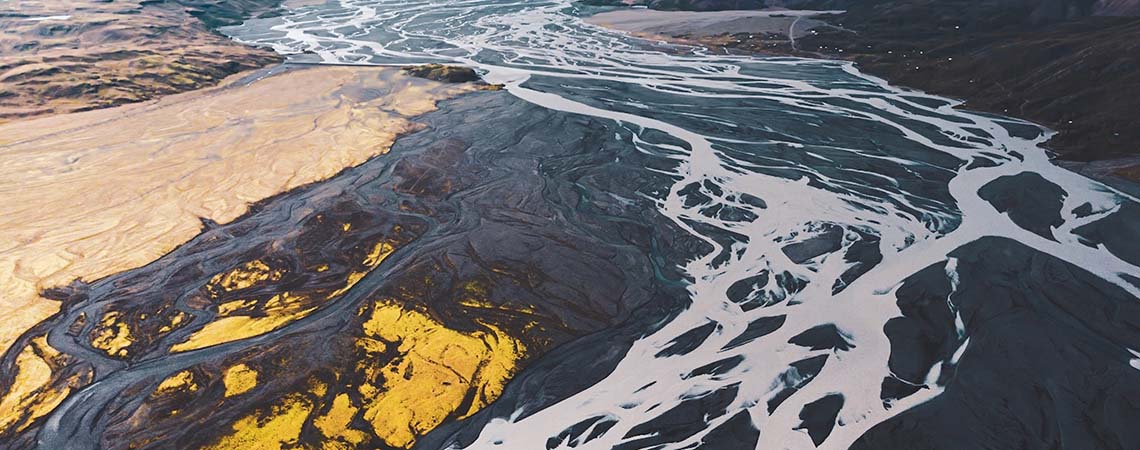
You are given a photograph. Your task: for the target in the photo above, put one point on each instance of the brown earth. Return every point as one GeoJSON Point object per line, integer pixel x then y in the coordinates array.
{"type": "Point", "coordinates": [59, 56]}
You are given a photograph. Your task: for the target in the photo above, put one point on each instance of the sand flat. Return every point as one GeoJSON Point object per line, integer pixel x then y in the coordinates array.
{"type": "Point", "coordinates": [89, 194]}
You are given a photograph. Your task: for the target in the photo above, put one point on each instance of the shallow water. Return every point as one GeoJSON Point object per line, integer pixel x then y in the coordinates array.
{"type": "Point", "coordinates": [819, 189]}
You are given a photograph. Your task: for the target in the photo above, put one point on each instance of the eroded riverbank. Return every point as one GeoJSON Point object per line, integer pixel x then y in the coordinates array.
{"type": "Point", "coordinates": [370, 308]}
{"type": "Point", "coordinates": [90, 194]}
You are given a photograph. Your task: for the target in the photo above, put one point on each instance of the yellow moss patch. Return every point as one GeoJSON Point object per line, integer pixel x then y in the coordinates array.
{"type": "Point", "coordinates": [379, 252]}
{"type": "Point", "coordinates": [279, 310]}
{"type": "Point", "coordinates": [317, 387]}
{"type": "Point", "coordinates": [32, 374]}
{"type": "Point", "coordinates": [335, 424]}
{"type": "Point", "coordinates": [228, 329]}
{"type": "Point", "coordinates": [175, 322]}
{"type": "Point", "coordinates": [181, 381]}
{"type": "Point", "coordinates": [276, 429]}
{"type": "Point", "coordinates": [246, 276]}
{"type": "Point", "coordinates": [353, 278]}
{"type": "Point", "coordinates": [228, 308]}
{"type": "Point", "coordinates": [239, 379]}
{"type": "Point", "coordinates": [440, 373]}
{"type": "Point", "coordinates": [475, 296]}
{"type": "Point", "coordinates": [32, 393]}
{"type": "Point", "coordinates": [113, 336]}
{"type": "Point", "coordinates": [439, 370]}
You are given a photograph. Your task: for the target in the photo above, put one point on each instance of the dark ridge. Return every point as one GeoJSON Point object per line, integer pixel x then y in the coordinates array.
{"type": "Point", "coordinates": [681, 422]}
{"type": "Point", "coordinates": [220, 13]}
{"type": "Point", "coordinates": [716, 367]}
{"type": "Point", "coordinates": [1031, 201]}
{"type": "Point", "coordinates": [738, 433]}
{"type": "Point", "coordinates": [828, 241]}
{"type": "Point", "coordinates": [865, 254]}
{"type": "Point", "coordinates": [1047, 365]}
{"type": "Point", "coordinates": [1085, 210]}
{"type": "Point", "coordinates": [818, 417]}
{"type": "Point", "coordinates": [713, 188]}
{"type": "Point", "coordinates": [1119, 232]}
{"type": "Point", "coordinates": [693, 195]}
{"type": "Point", "coordinates": [790, 282]}
{"type": "Point", "coordinates": [742, 290]}
{"type": "Point", "coordinates": [749, 292]}
{"type": "Point", "coordinates": [925, 334]}
{"type": "Point", "coordinates": [688, 341]}
{"type": "Point", "coordinates": [756, 329]}
{"type": "Point", "coordinates": [797, 376]}
{"type": "Point", "coordinates": [729, 213]}
{"type": "Point", "coordinates": [791, 285]}
{"type": "Point", "coordinates": [440, 72]}
{"type": "Point", "coordinates": [722, 236]}
{"type": "Point", "coordinates": [572, 436]}
{"type": "Point", "coordinates": [895, 389]}
{"type": "Point", "coordinates": [821, 337]}
{"type": "Point", "coordinates": [753, 200]}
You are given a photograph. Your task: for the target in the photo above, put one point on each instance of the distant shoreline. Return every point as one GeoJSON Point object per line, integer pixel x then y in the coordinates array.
{"type": "Point", "coordinates": [59, 57]}
{"type": "Point", "coordinates": [1107, 156]}
{"type": "Point", "coordinates": [710, 23]}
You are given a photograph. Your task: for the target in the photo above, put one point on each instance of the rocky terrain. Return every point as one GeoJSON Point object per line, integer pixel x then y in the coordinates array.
{"type": "Point", "coordinates": [450, 74]}
{"type": "Point", "coordinates": [59, 56]}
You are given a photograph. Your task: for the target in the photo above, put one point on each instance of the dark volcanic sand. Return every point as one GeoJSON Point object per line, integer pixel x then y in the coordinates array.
{"type": "Point", "coordinates": [545, 216]}
{"type": "Point", "coordinates": [1020, 388]}
{"type": "Point", "coordinates": [538, 235]}
{"type": "Point", "coordinates": [1079, 77]}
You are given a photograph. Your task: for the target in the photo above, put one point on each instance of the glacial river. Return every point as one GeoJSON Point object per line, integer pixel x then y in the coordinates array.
{"type": "Point", "coordinates": [820, 190]}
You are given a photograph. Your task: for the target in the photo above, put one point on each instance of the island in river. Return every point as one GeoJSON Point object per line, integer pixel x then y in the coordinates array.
{"type": "Point", "coordinates": [1073, 66]}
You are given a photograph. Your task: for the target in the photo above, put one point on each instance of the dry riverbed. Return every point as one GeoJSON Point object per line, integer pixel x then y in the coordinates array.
{"type": "Point", "coordinates": [90, 194]}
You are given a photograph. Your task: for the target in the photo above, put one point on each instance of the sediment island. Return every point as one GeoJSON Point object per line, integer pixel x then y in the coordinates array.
{"type": "Point", "coordinates": [1069, 65]}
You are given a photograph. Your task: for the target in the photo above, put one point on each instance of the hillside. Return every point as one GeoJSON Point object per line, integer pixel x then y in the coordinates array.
{"type": "Point", "coordinates": [59, 56]}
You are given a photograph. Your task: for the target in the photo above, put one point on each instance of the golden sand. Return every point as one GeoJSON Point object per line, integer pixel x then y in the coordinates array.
{"type": "Point", "coordinates": [89, 194]}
